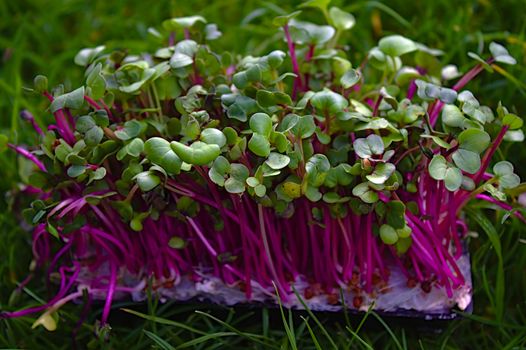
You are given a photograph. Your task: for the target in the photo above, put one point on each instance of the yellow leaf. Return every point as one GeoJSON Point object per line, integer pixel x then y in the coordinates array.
{"type": "Point", "coordinates": [47, 321]}
{"type": "Point", "coordinates": [292, 189]}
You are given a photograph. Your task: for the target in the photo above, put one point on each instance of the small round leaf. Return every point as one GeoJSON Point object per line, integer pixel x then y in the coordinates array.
{"type": "Point", "coordinates": [261, 123]}
{"type": "Point", "coordinates": [340, 19]}
{"type": "Point", "coordinates": [213, 136]}
{"type": "Point", "coordinates": [388, 234]}
{"type": "Point", "coordinates": [474, 140]}
{"type": "Point", "coordinates": [277, 161]}
{"type": "Point", "coordinates": [438, 167]}
{"type": "Point", "coordinates": [453, 179]}
{"type": "Point", "coordinates": [466, 160]}
{"type": "Point", "coordinates": [396, 45]}
{"type": "Point", "coordinates": [259, 145]}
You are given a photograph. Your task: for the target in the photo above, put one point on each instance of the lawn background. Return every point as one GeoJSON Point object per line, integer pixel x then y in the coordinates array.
{"type": "Point", "coordinates": [42, 37]}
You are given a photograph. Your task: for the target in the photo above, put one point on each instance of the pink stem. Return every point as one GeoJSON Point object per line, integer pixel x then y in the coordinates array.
{"type": "Point", "coordinates": [62, 123]}
{"type": "Point", "coordinates": [92, 102]}
{"type": "Point", "coordinates": [503, 205]}
{"type": "Point", "coordinates": [295, 66]}
{"type": "Point", "coordinates": [109, 296]}
{"type": "Point", "coordinates": [377, 105]}
{"type": "Point", "coordinates": [433, 116]}
{"type": "Point", "coordinates": [26, 115]}
{"type": "Point", "coordinates": [28, 155]}
{"type": "Point", "coordinates": [308, 58]}
{"type": "Point", "coordinates": [411, 90]}
{"type": "Point", "coordinates": [490, 152]}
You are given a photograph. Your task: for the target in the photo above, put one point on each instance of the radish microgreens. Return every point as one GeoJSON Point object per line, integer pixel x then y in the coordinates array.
{"type": "Point", "coordinates": [262, 170]}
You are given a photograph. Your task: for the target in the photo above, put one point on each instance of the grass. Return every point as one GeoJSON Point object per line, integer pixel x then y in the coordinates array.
{"type": "Point", "coordinates": [43, 37]}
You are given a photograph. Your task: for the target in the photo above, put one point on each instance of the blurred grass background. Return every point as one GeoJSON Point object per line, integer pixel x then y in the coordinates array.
{"type": "Point", "coordinates": [43, 36]}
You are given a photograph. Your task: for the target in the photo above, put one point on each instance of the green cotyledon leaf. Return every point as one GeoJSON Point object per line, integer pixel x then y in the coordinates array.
{"type": "Point", "coordinates": [198, 153]}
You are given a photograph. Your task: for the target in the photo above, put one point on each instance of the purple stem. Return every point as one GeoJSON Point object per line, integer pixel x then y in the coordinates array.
{"type": "Point", "coordinates": [84, 313]}
{"type": "Point", "coordinates": [433, 116]}
{"type": "Point", "coordinates": [369, 242]}
{"type": "Point", "coordinates": [295, 67]}
{"type": "Point", "coordinates": [266, 246]}
{"type": "Point", "coordinates": [377, 105]}
{"type": "Point", "coordinates": [57, 256]}
{"type": "Point", "coordinates": [411, 90]}
{"type": "Point", "coordinates": [308, 58]}
{"type": "Point", "coordinates": [202, 237]}
{"type": "Point", "coordinates": [503, 205]}
{"type": "Point", "coordinates": [70, 119]}
{"type": "Point", "coordinates": [452, 224]}
{"type": "Point", "coordinates": [490, 152]}
{"type": "Point", "coordinates": [62, 123]}
{"type": "Point", "coordinates": [109, 296]}
{"type": "Point", "coordinates": [26, 115]}
{"type": "Point", "coordinates": [92, 102]}
{"type": "Point", "coordinates": [463, 197]}
{"type": "Point", "coordinates": [28, 155]}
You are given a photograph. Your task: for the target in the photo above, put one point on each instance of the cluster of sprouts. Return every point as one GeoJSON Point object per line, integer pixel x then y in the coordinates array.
{"type": "Point", "coordinates": [262, 170]}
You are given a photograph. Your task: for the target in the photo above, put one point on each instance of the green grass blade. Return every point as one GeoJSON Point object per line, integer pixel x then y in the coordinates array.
{"type": "Point", "coordinates": [388, 329]}
{"type": "Point", "coordinates": [356, 336]}
{"type": "Point", "coordinates": [164, 321]}
{"type": "Point", "coordinates": [345, 311]}
{"type": "Point", "coordinates": [390, 12]}
{"type": "Point", "coordinates": [486, 285]}
{"type": "Point", "coordinates": [33, 295]}
{"type": "Point", "coordinates": [265, 321]}
{"type": "Point", "coordinates": [253, 337]}
{"type": "Point", "coordinates": [311, 314]}
{"type": "Point", "coordinates": [360, 325]}
{"type": "Point", "coordinates": [519, 84]}
{"type": "Point", "coordinates": [312, 335]}
{"type": "Point", "coordinates": [205, 338]}
{"type": "Point", "coordinates": [291, 326]}
{"type": "Point", "coordinates": [493, 323]}
{"type": "Point", "coordinates": [158, 340]}
{"type": "Point", "coordinates": [290, 335]}
{"type": "Point", "coordinates": [494, 238]}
